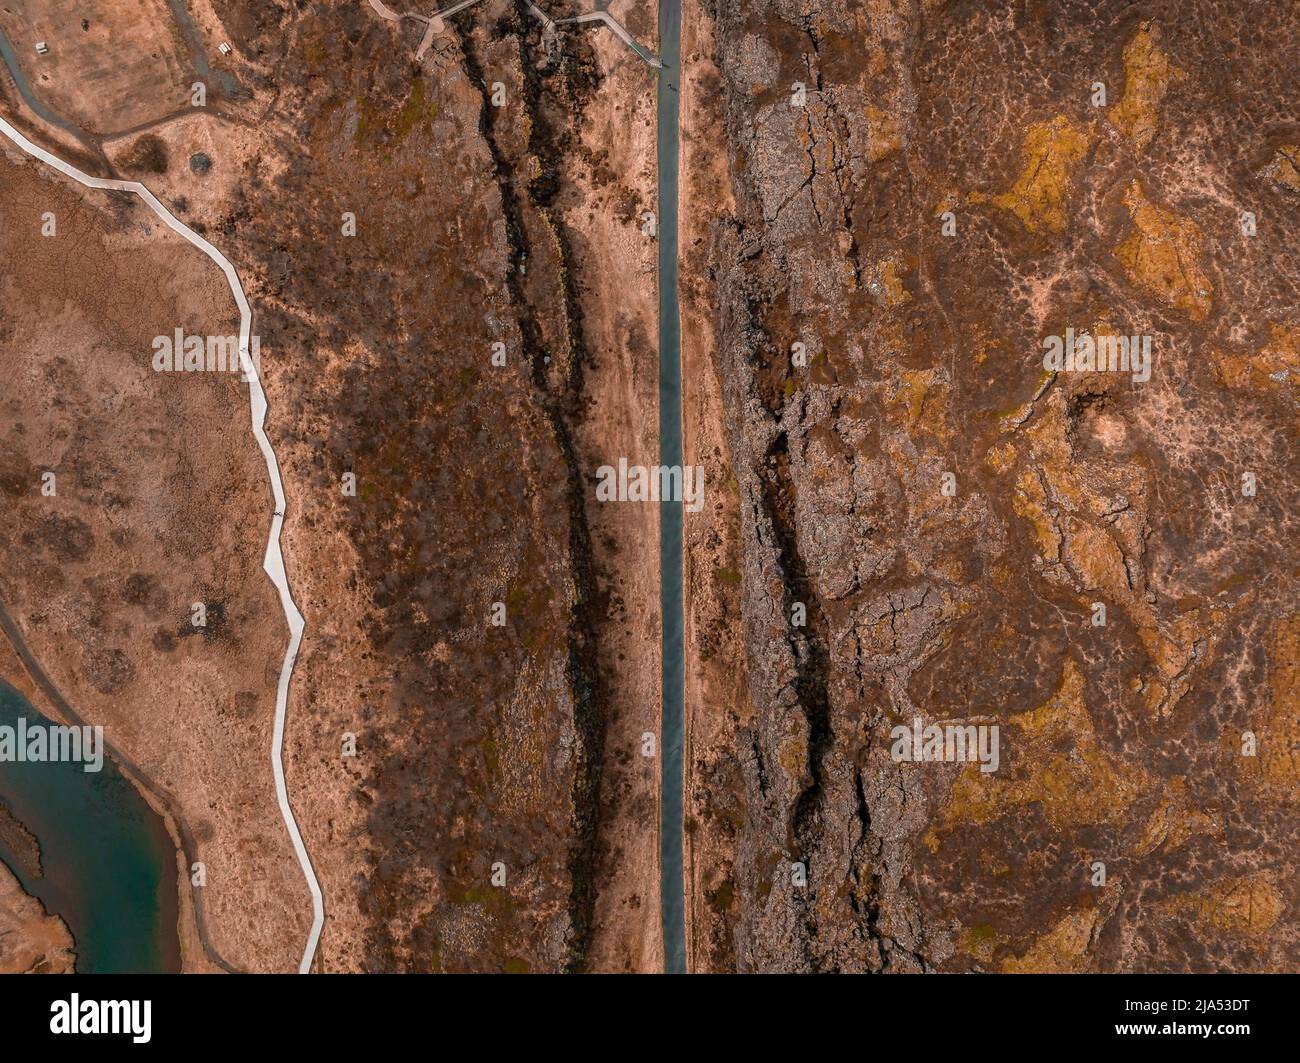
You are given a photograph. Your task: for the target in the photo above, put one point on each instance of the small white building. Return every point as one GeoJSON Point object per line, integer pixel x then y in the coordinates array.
{"type": "Point", "coordinates": [42, 48]}
{"type": "Point", "coordinates": [223, 48]}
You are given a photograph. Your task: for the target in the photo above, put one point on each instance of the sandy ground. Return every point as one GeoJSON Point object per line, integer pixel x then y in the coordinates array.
{"type": "Point", "coordinates": [715, 662]}
{"type": "Point", "coordinates": [616, 268]}
{"type": "Point", "coordinates": [82, 153]}
{"type": "Point", "coordinates": [31, 941]}
{"type": "Point", "coordinates": [234, 148]}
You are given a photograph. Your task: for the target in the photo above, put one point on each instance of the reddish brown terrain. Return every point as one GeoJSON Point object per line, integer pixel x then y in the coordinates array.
{"type": "Point", "coordinates": [886, 209]}
{"type": "Point", "coordinates": [480, 661]}
{"type": "Point", "coordinates": [160, 500]}
{"type": "Point", "coordinates": [481, 748]}
{"type": "Point", "coordinates": [31, 941]}
{"type": "Point", "coordinates": [1161, 744]}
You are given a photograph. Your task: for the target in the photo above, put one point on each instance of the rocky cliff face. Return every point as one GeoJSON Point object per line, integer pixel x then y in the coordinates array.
{"type": "Point", "coordinates": [936, 526]}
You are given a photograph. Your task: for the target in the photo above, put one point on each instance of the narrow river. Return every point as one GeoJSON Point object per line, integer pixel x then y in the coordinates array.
{"type": "Point", "coordinates": [671, 898]}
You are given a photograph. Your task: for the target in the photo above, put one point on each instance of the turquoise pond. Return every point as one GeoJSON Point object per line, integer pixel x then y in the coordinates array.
{"type": "Point", "coordinates": [108, 860]}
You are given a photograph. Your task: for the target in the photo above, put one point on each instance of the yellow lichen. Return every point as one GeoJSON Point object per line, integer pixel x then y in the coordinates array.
{"type": "Point", "coordinates": [1050, 151]}
{"type": "Point", "coordinates": [1066, 511]}
{"type": "Point", "coordinates": [1174, 821]}
{"type": "Point", "coordinates": [1030, 502]}
{"type": "Point", "coordinates": [886, 284]}
{"type": "Point", "coordinates": [793, 755]}
{"type": "Point", "coordinates": [1162, 255]}
{"type": "Point", "coordinates": [1284, 167]}
{"type": "Point", "coordinates": [1095, 553]}
{"type": "Point", "coordinates": [1063, 768]}
{"type": "Point", "coordinates": [1172, 647]}
{"type": "Point", "coordinates": [1249, 906]}
{"type": "Point", "coordinates": [1097, 559]}
{"type": "Point", "coordinates": [884, 132]}
{"type": "Point", "coordinates": [1000, 457]}
{"type": "Point", "coordinates": [1147, 74]}
{"type": "Point", "coordinates": [980, 941]}
{"type": "Point", "coordinates": [912, 390]}
{"type": "Point", "coordinates": [1276, 365]}
{"type": "Point", "coordinates": [1062, 950]}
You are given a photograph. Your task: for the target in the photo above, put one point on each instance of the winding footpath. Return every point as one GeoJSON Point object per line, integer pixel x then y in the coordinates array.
{"type": "Point", "coordinates": [620, 32]}
{"type": "Point", "coordinates": [436, 23]}
{"type": "Point", "coordinates": [273, 563]}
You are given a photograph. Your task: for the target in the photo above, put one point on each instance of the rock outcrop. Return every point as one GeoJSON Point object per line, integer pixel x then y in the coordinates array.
{"type": "Point", "coordinates": [936, 526]}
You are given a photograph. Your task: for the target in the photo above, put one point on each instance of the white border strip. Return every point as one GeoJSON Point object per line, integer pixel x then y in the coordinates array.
{"type": "Point", "coordinates": [273, 563]}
